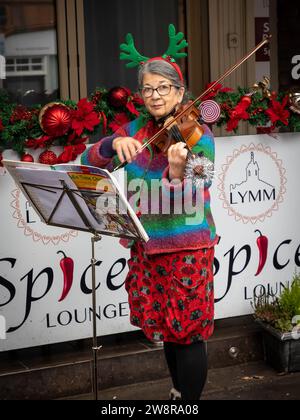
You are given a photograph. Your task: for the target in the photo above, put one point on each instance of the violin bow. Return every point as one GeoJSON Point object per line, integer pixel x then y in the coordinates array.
{"type": "Point", "coordinates": [206, 92]}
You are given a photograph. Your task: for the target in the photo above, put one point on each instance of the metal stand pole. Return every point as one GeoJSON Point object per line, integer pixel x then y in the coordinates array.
{"type": "Point", "coordinates": [95, 238]}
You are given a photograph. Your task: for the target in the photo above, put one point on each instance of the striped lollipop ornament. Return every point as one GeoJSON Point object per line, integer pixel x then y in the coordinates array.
{"type": "Point", "coordinates": [210, 111]}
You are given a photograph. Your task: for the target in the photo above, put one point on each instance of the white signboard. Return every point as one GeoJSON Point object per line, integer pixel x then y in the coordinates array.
{"type": "Point", "coordinates": [255, 188]}
{"type": "Point", "coordinates": [31, 43]}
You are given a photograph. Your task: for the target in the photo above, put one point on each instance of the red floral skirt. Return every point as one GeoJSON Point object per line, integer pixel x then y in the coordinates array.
{"type": "Point", "coordinates": [171, 296]}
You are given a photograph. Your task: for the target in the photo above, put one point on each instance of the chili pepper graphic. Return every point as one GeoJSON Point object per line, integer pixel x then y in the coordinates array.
{"type": "Point", "coordinates": [67, 266]}
{"type": "Point", "coordinates": [262, 243]}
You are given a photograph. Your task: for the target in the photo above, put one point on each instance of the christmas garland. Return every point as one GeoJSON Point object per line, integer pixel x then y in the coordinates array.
{"type": "Point", "coordinates": [70, 124]}
{"type": "Point", "coordinates": [64, 123]}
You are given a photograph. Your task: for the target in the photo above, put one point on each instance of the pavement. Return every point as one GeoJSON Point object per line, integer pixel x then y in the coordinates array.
{"type": "Point", "coordinates": [251, 381]}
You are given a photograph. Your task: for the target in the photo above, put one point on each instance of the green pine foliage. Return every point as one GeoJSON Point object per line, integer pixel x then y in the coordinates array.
{"type": "Point", "coordinates": [15, 132]}
{"type": "Point", "coordinates": [280, 312]}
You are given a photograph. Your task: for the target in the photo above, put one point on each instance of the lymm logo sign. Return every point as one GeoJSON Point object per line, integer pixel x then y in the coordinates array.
{"type": "Point", "coordinates": [252, 183]}
{"type": "Point", "coordinates": [2, 328]}
{"type": "Point", "coordinates": [2, 67]}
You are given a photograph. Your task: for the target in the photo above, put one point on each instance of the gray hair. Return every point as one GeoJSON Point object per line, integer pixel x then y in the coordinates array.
{"type": "Point", "coordinates": [164, 69]}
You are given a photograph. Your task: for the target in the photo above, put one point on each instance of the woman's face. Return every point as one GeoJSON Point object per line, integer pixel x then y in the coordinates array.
{"type": "Point", "coordinates": [160, 105]}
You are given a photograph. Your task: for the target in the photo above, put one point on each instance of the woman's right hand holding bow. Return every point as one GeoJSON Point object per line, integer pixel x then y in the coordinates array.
{"type": "Point", "coordinates": [127, 148]}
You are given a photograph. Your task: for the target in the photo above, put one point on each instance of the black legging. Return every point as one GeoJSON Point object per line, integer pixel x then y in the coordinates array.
{"type": "Point", "coordinates": [188, 368]}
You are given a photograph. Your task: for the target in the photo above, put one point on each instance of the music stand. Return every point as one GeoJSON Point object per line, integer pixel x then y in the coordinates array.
{"type": "Point", "coordinates": [78, 199]}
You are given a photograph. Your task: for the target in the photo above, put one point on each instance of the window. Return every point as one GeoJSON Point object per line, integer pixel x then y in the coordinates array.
{"type": "Point", "coordinates": [106, 25]}
{"type": "Point", "coordinates": [29, 65]}
{"type": "Point", "coordinates": [29, 45]}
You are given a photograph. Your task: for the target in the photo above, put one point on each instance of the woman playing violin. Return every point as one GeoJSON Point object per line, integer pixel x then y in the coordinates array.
{"type": "Point", "coordinates": [162, 94]}
{"type": "Point", "coordinates": [170, 279]}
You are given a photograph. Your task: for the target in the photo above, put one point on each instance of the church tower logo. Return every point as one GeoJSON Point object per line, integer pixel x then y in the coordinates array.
{"type": "Point", "coordinates": [252, 183]}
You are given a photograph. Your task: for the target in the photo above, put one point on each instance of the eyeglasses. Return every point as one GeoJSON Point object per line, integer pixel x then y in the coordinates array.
{"type": "Point", "coordinates": [162, 90]}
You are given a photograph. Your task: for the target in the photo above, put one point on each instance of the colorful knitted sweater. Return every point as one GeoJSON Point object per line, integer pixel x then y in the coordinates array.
{"type": "Point", "coordinates": [170, 227]}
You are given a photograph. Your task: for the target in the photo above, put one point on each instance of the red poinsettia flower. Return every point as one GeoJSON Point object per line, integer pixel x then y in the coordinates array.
{"type": "Point", "coordinates": [238, 114]}
{"type": "Point", "coordinates": [75, 147]}
{"type": "Point", "coordinates": [71, 152]}
{"type": "Point", "coordinates": [73, 139]}
{"type": "Point", "coordinates": [232, 124]}
{"type": "Point", "coordinates": [216, 90]}
{"type": "Point", "coordinates": [1, 126]}
{"type": "Point", "coordinates": [278, 111]}
{"type": "Point", "coordinates": [134, 100]}
{"type": "Point", "coordinates": [131, 108]}
{"type": "Point", "coordinates": [41, 142]}
{"type": "Point", "coordinates": [138, 100]}
{"type": "Point", "coordinates": [120, 120]}
{"type": "Point", "coordinates": [84, 117]}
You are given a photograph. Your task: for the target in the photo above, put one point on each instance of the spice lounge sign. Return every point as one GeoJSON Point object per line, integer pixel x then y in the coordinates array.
{"type": "Point", "coordinates": [255, 203]}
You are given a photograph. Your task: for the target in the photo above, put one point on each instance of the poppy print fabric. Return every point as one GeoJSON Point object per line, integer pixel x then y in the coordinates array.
{"type": "Point", "coordinates": [171, 296]}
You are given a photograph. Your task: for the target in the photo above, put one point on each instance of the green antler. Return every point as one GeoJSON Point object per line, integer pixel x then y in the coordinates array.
{"type": "Point", "coordinates": [177, 43]}
{"type": "Point", "coordinates": [129, 52]}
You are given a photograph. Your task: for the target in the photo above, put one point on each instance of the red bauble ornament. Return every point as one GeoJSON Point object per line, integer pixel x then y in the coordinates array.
{"type": "Point", "coordinates": [55, 119]}
{"type": "Point", "coordinates": [118, 97]}
{"type": "Point", "coordinates": [27, 158]}
{"type": "Point", "coordinates": [48, 158]}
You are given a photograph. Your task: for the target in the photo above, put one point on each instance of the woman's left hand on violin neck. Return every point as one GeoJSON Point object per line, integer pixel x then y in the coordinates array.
{"type": "Point", "coordinates": [177, 157]}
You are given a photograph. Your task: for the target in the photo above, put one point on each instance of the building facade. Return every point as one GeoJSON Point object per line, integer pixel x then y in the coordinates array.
{"type": "Point", "coordinates": [66, 48]}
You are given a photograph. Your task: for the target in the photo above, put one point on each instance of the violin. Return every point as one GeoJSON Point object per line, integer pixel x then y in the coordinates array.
{"type": "Point", "coordinates": [185, 125]}
{"type": "Point", "coordinates": [186, 128]}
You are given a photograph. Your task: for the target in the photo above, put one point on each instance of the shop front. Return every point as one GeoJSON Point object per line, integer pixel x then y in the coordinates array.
{"type": "Point", "coordinates": [69, 50]}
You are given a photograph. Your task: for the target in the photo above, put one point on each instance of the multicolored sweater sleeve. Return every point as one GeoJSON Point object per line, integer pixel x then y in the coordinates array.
{"type": "Point", "coordinates": [172, 230]}
{"type": "Point", "coordinates": [102, 153]}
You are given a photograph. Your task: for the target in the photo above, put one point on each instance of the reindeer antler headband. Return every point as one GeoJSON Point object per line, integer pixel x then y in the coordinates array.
{"type": "Point", "coordinates": [176, 43]}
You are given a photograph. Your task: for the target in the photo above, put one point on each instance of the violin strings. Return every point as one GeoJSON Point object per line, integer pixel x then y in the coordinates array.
{"type": "Point", "coordinates": [179, 138]}
{"type": "Point", "coordinates": [177, 134]}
